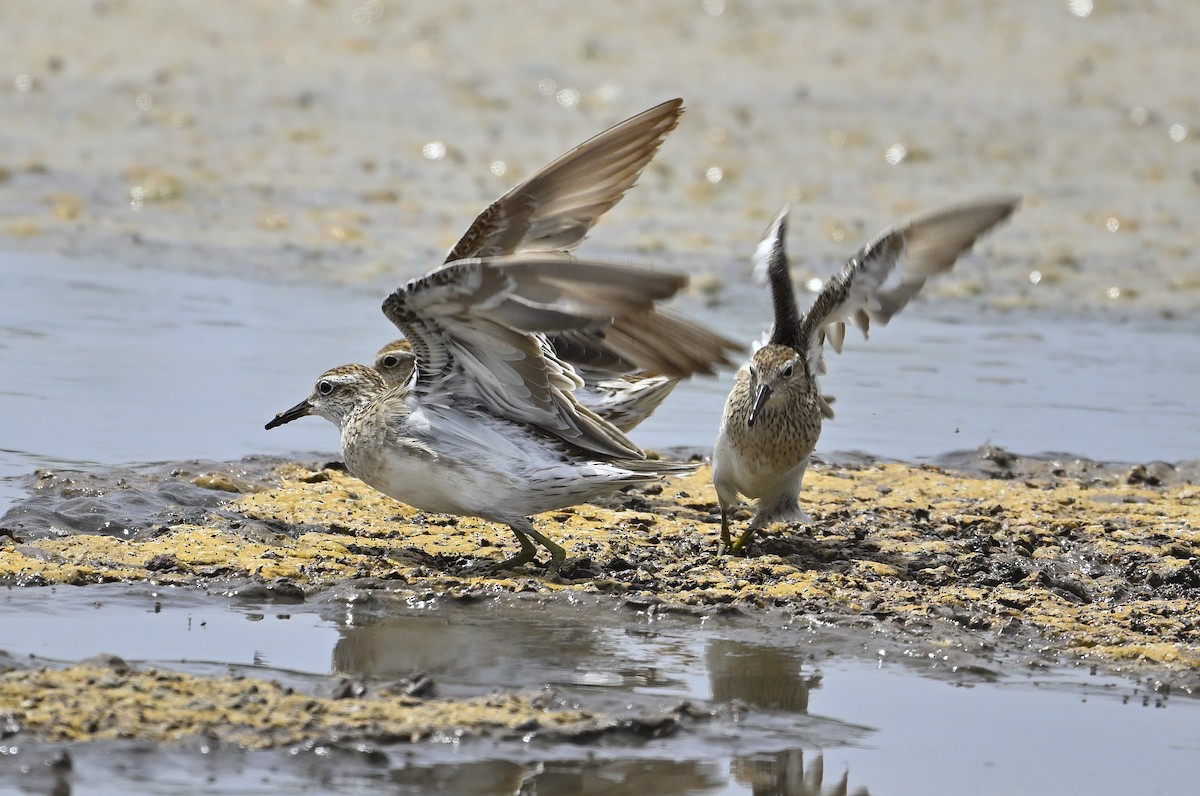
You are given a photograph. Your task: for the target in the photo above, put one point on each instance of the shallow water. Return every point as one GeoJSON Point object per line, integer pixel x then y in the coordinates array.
{"type": "Point", "coordinates": [127, 364]}
{"type": "Point", "coordinates": [790, 695]}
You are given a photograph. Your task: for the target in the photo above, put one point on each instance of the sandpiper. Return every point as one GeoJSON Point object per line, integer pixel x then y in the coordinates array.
{"type": "Point", "coordinates": [553, 211]}
{"type": "Point", "coordinates": [395, 362]}
{"type": "Point", "coordinates": [773, 415]}
{"type": "Point", "coordinates": [488, 425]}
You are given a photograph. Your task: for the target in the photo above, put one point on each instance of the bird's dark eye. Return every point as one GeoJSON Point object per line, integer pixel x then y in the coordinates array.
{"type": "Point", "coordinates": [788, 371]}
{"type": "Point", "coordinates": [324, 387]}
{"type": "Point", "coordinates": [391, 361]}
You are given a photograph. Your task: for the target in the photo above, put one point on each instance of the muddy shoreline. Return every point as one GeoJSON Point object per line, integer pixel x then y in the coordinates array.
{"type": "Point", "coordinates": [1073, 561]}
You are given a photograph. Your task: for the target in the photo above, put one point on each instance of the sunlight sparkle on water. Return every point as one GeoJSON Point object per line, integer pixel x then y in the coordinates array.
{"type": "Point", "coordinates": [368, 12]}
{"type": "Point", "coordinates": [568, 97]}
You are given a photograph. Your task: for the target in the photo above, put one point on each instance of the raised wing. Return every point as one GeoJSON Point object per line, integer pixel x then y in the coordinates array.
{"type": "Point", "coordinates": [886, 273]}
{"type": "Point", "coordinates": [770, 257]}
{"type": "Point", "coordinates": [554, 209]}
{"type": "Point", "coordinates": [478, 327]}
{"type": "Point", "coordinates": [657, 341]}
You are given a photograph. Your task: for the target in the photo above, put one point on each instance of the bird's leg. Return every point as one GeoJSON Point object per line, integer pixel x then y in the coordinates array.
{"type": "Point", "coordinates": [782, 506]}
{"type": "Point", "coordinates": [739, 547]}
{"type": "Point", "coordinates": [527, 554]}
{"type": "Point", "coordinates": [726, 542]}
{"type": "Point", "coordinates": [557, 554]}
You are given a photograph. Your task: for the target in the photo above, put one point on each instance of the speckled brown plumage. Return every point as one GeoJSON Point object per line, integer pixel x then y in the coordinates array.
{"type": "Point", "coordinates": [772, 418]}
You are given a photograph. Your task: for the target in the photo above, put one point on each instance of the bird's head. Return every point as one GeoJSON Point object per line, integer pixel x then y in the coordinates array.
{"type": "Point", "coordinates": [336, 394]}
{"type": "Point", "coordinates": [774, 371]}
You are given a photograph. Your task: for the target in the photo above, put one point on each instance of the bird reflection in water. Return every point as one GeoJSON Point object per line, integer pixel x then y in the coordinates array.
{"type": "Point", "coordinates": [784, 774]}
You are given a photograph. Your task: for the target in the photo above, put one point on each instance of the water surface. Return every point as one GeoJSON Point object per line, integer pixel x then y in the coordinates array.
{"type": "Point", "coordinates": [110, 364]}
{"type": "Point", "coordinates": [790, 696]}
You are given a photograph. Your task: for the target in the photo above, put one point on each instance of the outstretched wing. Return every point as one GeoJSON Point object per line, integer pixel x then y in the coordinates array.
{"type": "Point", "coordinates": [554, 209]}
{"type": "Point", "coordinates": [657, 341]}
{"type": "Point", "coordinates": [886, 273]}
{"type": "Point", "coordinates": [479, 326]}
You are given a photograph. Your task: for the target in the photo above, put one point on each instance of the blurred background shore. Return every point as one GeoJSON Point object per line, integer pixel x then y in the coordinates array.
{"type": "Point", "coordinates": [353, 141]}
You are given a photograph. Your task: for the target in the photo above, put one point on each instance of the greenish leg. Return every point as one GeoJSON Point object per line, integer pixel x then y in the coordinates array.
{"type": "Point", "coordinates": [726, 542]}
{"type": "Point", "coordinates": [527, 554]}
{"type": "Point", "coordinates": [739, 547]}
{"type": "Point", "coordinates": [557, 554]}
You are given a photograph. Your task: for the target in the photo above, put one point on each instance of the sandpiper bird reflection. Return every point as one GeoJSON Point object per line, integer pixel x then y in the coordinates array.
{"type": "Point", "coordinates": [487, 425]}
{"type": "Point", "coordinates": [773, 415]}
{"type": "Point", "coordinates": [553, 211]}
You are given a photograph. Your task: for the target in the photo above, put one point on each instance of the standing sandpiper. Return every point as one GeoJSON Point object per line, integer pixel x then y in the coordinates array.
{"type": "Point", "coordinates": [487, 425]}
{"type": "Point", "coordinates": [773, 414]}
{"type": "Point", "coordinates": [480, 415]}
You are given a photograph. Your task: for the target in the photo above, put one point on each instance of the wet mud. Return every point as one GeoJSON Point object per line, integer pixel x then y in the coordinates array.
{"type": "Point", "coordinates": [107, 699]}
{"type": "Point", "coordinates": [985, 569]}
{"type": "Point", "coordinates": [1078, 560]}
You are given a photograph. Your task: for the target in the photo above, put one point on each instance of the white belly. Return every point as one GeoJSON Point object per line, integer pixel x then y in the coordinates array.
{"type": "Point", "coordinates": [484, 469]}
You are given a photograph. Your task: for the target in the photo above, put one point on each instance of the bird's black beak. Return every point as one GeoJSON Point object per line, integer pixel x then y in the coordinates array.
{"type": "Point", "coordinates": [299, 410]}
{"type": "Point", "coordinates": [760, 399]}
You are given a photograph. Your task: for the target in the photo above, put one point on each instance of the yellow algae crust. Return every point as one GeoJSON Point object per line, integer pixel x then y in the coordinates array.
{"type": "Point", "coordinates": [87, 702]}
{"type": "Point", "coordinates": [1097, 567]}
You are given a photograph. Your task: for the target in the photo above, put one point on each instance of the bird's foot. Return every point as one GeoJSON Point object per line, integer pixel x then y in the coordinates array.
{"type": "Point", "coordinates": [497, 568]}
{"type": "Point", "coordinates": [557, 554]}
{"type": "Point", "coordinates": [738, 548]}
{"type": "Point", "coordinates": [527, 554]}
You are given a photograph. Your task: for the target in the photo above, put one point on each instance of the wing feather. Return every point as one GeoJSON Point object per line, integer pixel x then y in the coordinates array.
{"type": "Point", "coordinates": [554, 209]}
{"type": "Point", "coordinates": [886, 273]}
{"type": "Point", "coordinates": [476, 327]}
{"type": "Point", "coordinates": [771, 256]}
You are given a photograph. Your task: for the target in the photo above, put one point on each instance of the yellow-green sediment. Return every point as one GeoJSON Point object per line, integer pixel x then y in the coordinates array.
{"type": "Point", "coordinates": [1105, 570]}
{"type": "Point", "coordinates": [96, 702]}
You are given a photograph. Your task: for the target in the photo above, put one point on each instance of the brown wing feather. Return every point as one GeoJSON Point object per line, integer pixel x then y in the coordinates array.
{"type": "Point", "coordinates": [477, 326]}
{"type": "Point", "coordinates": [886, 273]}
{"type": "Point", "coordinates": [555, 208]}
